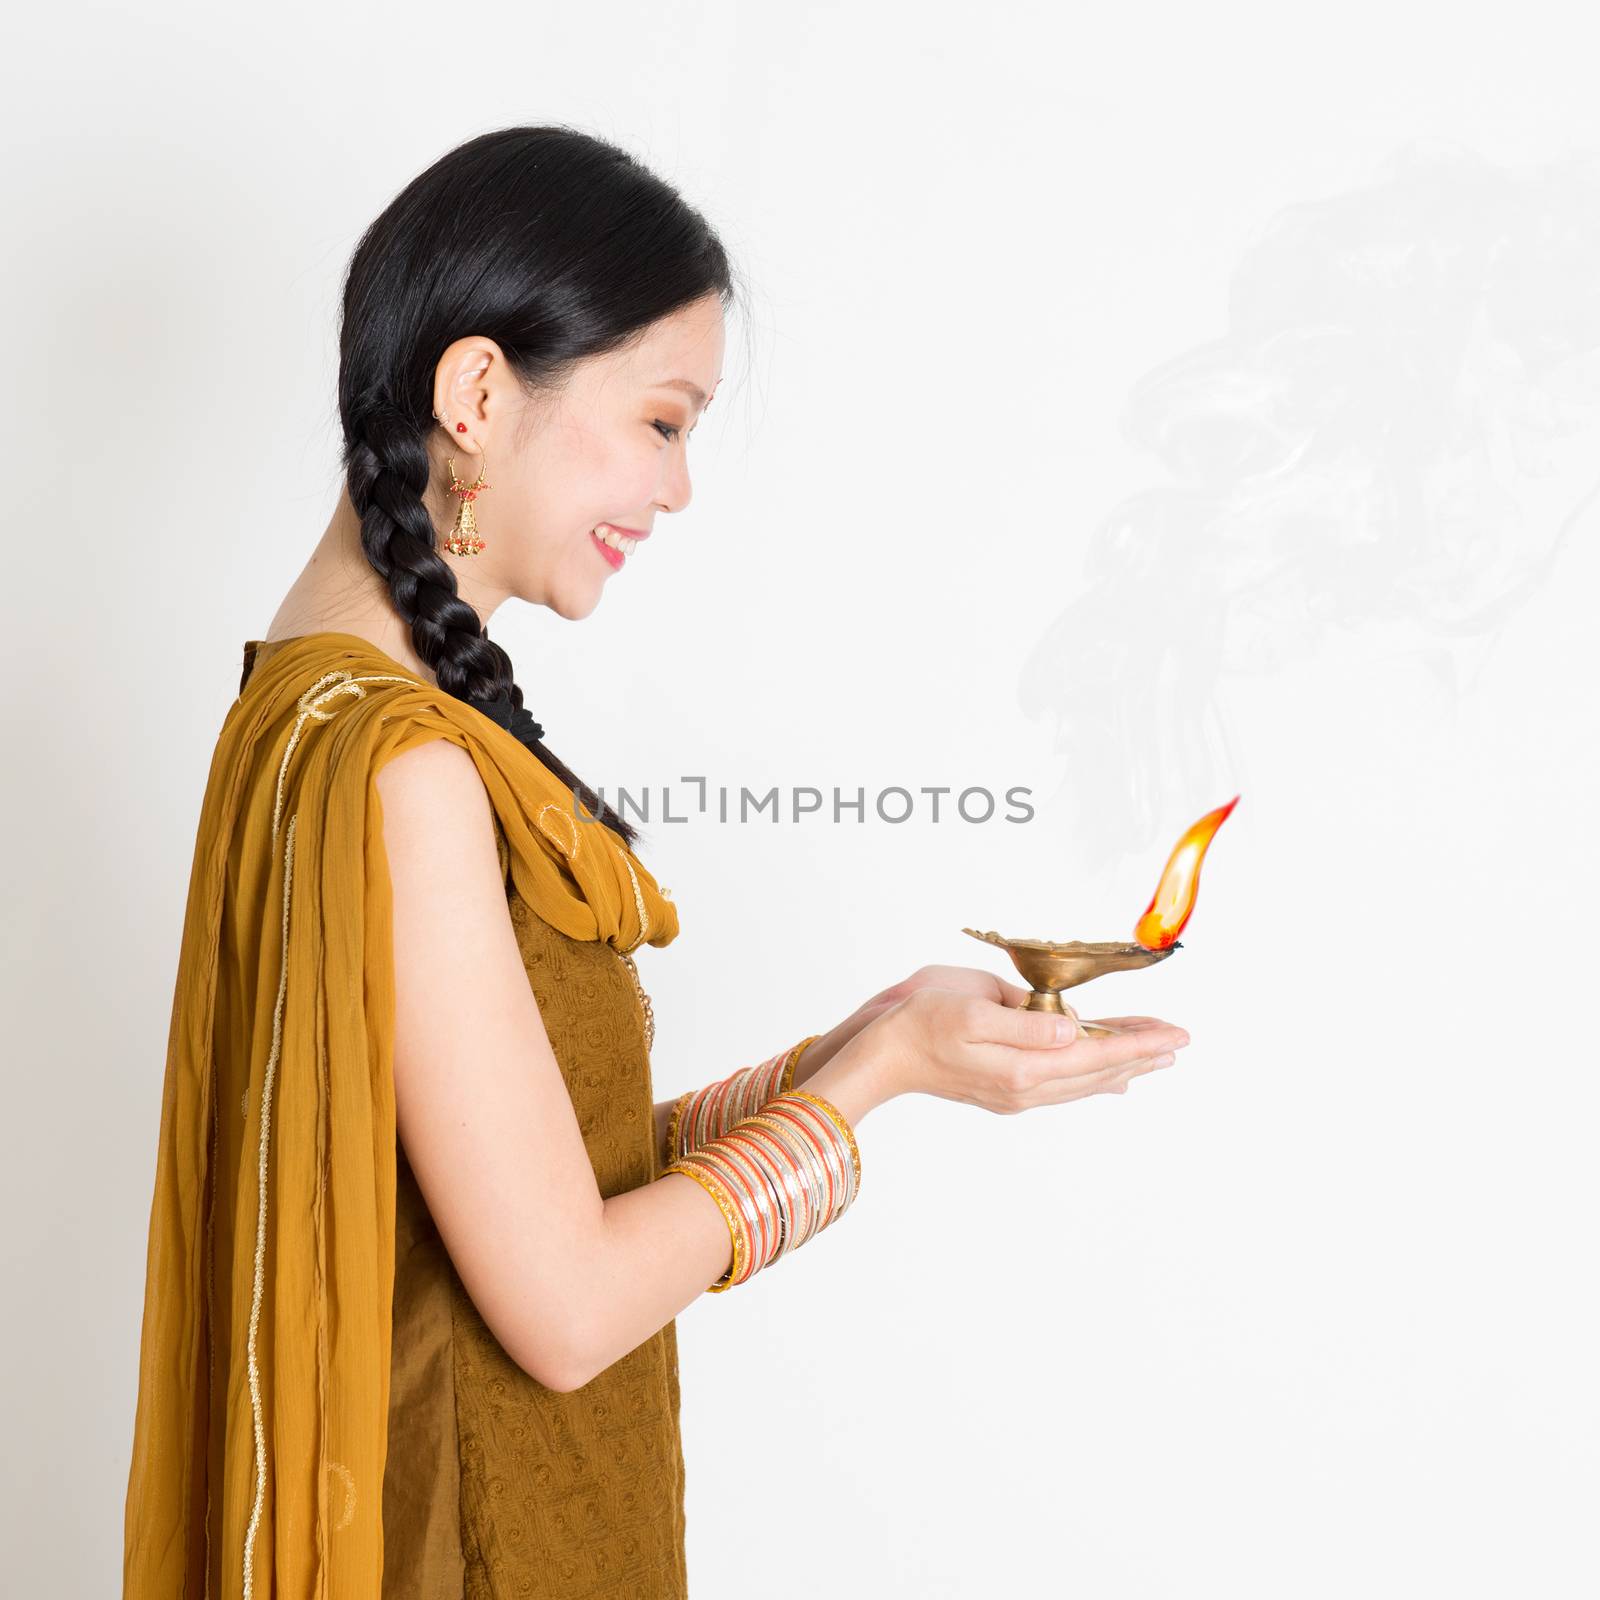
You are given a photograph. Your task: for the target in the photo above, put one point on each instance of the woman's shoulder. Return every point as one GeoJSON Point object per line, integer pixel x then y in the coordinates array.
{"type": "Point", "coordinates": [435, 802]}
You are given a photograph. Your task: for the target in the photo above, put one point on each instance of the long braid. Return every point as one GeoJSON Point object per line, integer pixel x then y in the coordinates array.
{"type": "Point", "coordinates": [560, 247]}
{"type": "Point", "coordinates": [386, 469]}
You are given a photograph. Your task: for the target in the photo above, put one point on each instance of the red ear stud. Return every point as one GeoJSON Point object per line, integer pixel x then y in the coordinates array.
{"type": "Point", "coordinates": [461, 427]}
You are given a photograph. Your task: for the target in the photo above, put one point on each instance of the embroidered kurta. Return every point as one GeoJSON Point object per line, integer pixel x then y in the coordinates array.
{"type": "Point", "coordinates": [319, 1399]}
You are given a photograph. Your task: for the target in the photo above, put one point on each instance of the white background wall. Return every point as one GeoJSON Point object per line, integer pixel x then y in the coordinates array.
{"type": "Point", "coordinates": [1144, 406]}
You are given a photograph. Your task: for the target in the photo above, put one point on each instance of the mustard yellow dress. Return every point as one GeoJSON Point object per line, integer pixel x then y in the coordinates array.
{"type": "Point", "coordinates": [491, 1484]}
{"type": "Point", "coordinates": [495, 1485]}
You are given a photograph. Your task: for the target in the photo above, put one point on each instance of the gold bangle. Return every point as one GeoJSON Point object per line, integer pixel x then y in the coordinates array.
{"type": "Point", "coordinates": [786, 1081]}
{"type": "Point", "coordinates": [730, 1215]}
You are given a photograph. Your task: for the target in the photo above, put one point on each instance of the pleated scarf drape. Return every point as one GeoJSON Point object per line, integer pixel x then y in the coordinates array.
{"type": "Point", "coordinates": [261, 1426]}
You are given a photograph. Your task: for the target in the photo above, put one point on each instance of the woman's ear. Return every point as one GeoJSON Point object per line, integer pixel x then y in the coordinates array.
{"type": "Point", "coordinates": [472, 384]}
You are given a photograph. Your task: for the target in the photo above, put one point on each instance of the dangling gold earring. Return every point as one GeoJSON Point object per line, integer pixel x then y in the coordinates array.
{"type": "Point", "coordinates": [464, 540]}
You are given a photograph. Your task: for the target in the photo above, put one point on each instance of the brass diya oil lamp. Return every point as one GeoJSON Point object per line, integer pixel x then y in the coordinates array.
{"type": "Point", "coordinates": [1050, 965]}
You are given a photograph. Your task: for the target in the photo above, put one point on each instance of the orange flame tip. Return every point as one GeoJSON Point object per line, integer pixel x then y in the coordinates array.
{"type": "Point", "coordinates": [1164, 918]}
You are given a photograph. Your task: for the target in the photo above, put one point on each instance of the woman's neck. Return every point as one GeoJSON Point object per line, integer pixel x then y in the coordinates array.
{"type": "Point", "coordinates": [339, 592]}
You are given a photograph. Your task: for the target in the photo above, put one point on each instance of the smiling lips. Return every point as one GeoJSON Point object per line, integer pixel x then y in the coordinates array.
{"type": "Point", "coordinates": [615, 542]}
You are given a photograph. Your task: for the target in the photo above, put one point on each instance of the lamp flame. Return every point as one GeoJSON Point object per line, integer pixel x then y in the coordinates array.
{"type": "Point", "coordinates": [1170, 905]}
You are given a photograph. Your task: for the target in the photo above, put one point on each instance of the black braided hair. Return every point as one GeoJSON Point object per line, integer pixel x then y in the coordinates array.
{"type": "Point", "coordinates": [558, 246]}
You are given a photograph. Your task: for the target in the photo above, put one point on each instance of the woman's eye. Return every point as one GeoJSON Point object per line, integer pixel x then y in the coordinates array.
{"type": "Point", "coordinates": [666, 430]}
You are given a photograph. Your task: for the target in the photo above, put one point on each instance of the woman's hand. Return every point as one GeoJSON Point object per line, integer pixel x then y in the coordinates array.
{"type": "Point", "coordinates": [963, 980]}
{"type": "Point", "coordinates": [962, 1044]}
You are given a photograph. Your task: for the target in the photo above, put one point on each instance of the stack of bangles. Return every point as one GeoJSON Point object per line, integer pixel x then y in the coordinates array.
{"type": "Point", "coordinates": [780, 1162]}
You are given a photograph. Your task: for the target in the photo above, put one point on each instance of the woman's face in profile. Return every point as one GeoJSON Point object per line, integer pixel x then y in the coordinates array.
{"type": "Point", "coordinates": [610, 451]}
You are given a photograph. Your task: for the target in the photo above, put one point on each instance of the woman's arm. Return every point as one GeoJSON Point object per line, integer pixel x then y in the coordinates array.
{"type": "Point", "coordinates": [568, 1282]}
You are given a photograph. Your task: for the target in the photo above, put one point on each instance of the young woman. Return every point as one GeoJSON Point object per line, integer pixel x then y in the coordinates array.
{"type": "Point", "coordinates": [419, 1231]}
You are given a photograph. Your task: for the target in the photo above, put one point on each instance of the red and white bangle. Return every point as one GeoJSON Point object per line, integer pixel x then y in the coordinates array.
{"type": "Point", "coordinates": [780, 1176]}
{"type": "Point", "coordinates": [701, 1115]}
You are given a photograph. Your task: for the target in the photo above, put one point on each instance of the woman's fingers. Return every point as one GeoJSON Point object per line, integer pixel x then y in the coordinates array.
{"type": "Point", "coordinates": [1037, 1030]}
{"type": "Point", "coordinates": [987, 1021]}
{"type": "Point", "coordinates": [1011, 994]}
{"type": "Point", "coordinates": [971, 1046]}
{"type": "Point", "coordinates": [1102, 1062]}
{"type": "Point", "coordinates": [1022, 1077]}
{"type": "Point", "coordinates": [1130, 1024]}
{"type": "Point", "coordinates": [1029, 1040]}
{"type": "Point", "coordinates": [1113, 1080]}
{"type": "Point", "coordinates": [1099, 1052]}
